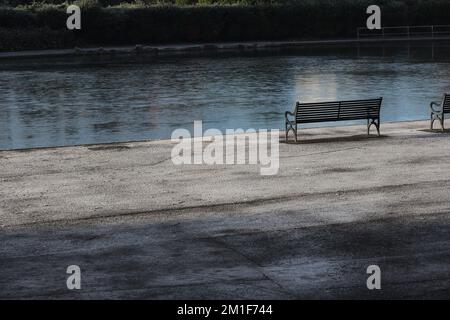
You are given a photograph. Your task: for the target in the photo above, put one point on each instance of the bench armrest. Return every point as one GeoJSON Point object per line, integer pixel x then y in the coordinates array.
{"type": "Point", "coordinates": [288, 113]}
{"type": "Point", "coordinates": [435, 103]}
{"type": "Point", "coordinates": [287, 118]}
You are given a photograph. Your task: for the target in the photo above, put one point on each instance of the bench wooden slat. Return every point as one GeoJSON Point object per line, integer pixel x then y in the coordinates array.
{"type": "Point", "coordinates": [309, 112]}
{"type": "Point", "coordinates": [368, 107]}
{"type": "Point", "coordinates": [311, 120]}
{"type": "Point", "coordinates": [356, 112]}
{"type": "Point", "coordinates": [360, 117]}
{"type": "Point", "coordinates": [319, 120]}
{"type": "Point", "coordinates": [318, 110]}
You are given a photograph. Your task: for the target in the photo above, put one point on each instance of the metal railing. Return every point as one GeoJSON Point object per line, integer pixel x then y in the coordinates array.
{"type": "Point", "coordinates": [405, 31]}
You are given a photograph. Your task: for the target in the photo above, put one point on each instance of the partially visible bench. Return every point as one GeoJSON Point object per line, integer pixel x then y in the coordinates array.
{"type": "Point", "coordinates": [334, 111]}
{"type": "Point", "coordinates": [438, 113]}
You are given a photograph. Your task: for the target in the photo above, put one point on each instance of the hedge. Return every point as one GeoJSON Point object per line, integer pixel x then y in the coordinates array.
{"type": "Point", "coordinates": [45, 27]}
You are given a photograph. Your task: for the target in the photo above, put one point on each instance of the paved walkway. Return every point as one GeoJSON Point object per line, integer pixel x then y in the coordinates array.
{"type": "Point", "coordinates": [141, 227]}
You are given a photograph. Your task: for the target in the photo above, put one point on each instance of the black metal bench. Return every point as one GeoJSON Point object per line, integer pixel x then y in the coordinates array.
{"type": "Point", "coordinates": [438, 113]}
{"type": "Point", "coordinates": [335, 111]}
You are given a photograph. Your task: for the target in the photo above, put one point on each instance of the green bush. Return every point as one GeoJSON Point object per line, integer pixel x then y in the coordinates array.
{"type": "Point", "coordinates": [35, 38]}
{"type": "Point", "coordinates": [131, 23]}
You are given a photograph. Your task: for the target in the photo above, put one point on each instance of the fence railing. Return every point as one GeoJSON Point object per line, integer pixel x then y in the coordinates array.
{"type": "Point", "coordinates": [405, 31]}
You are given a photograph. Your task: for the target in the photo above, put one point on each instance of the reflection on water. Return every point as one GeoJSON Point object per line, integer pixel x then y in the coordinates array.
{"type": "Point", "coordinates": [63, 101]}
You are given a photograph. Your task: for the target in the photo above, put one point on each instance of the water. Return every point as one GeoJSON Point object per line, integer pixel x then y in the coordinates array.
{"type": "Point", "coordinates": [66, 101]}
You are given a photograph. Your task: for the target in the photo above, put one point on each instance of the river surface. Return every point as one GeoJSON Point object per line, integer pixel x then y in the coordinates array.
{"type": "Point", "coordinates": [66, 101]}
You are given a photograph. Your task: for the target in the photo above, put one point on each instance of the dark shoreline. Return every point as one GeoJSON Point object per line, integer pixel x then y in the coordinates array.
{"type": "Point", "coordinates": [210, 48]}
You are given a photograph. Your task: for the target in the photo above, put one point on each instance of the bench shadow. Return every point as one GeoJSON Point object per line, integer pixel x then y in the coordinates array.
{"type": "Point", "coordinates": [360, 137]}
{"type": "Point", "coordinates": [435, 130]}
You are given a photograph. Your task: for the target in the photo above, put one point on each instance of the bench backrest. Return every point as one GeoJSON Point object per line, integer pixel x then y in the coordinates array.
{"type": "Point", "coordinates": [446, 103]}
{"type": "Point", "coordinates": [338, 110]}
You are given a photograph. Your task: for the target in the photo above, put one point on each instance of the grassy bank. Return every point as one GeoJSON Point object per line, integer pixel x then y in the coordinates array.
{"type": "Point", "coordinates": [42, 26]}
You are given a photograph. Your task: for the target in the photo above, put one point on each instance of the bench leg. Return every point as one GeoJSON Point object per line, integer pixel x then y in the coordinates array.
{"type": "Point", "coordinates": [439, 117]}
{"type": "Point", "coordinates": [286, 131]}
{"type": "Point", "coordinates": [290, 127]}
{"type": "Point", "coordinates": [376, 123]}
{"type": "Point", "coordinates": [434, 117]}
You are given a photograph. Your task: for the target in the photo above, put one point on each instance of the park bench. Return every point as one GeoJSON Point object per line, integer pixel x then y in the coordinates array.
{"type": "Point", "coordinates": [438, 113]}
{"type": "Point", "coordinates": [334, 111]}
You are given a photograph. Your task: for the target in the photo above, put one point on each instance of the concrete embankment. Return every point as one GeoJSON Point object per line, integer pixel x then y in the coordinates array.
{"type": "Point", "coordinates": [189, 49]}
{"type": "Point", "coordinates": [140, 226]}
